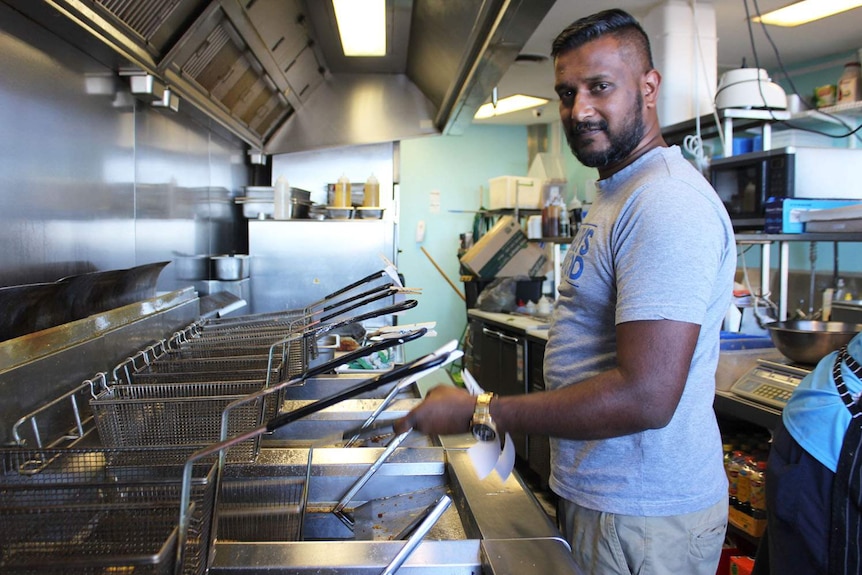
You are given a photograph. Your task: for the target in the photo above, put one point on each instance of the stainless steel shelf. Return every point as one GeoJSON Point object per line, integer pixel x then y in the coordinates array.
{"type": "Point", "coordinates": [758, 238]}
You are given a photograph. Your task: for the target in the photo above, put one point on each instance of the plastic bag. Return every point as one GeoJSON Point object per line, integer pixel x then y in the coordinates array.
{"type": "Point", "coordinates": [498, 296]}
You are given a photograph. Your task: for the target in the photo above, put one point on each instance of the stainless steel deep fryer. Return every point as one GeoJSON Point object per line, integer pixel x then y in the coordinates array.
{"type": "Point", "coordinates": [100, 510]}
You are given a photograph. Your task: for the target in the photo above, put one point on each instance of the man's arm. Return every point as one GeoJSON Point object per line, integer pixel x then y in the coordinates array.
{"type": "Point", "coordinates": [642, 392]}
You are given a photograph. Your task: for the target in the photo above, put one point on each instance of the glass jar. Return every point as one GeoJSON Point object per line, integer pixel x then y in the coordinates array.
{"type": "Point", "coordinates": [850, 83]}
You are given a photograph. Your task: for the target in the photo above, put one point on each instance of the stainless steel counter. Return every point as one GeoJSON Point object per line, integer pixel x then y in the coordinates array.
{"type": "Point", "coordinates": [529, 325]}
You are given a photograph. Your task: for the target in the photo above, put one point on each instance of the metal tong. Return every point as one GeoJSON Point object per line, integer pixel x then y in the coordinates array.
{"type": "Point", "coordinates": [424, 365]}
{"type": "Point", "coordinates": [454, 354]}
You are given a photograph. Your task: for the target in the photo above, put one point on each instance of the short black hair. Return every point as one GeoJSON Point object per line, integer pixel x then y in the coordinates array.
{"type": "Point", "coordinates": [614, 22]}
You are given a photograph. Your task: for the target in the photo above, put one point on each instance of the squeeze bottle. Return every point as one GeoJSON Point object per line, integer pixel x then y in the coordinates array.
{"type": "Point", "coordinates": [342, 192]}
{"type": "Point", "coordinates": [371, 198]}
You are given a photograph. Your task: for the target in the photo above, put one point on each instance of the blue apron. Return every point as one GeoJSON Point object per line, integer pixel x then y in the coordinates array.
{"type": "Point", "coordinates": [845, 556]}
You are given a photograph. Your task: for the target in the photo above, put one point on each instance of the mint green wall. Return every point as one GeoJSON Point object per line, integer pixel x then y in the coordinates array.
{"type": "Point", "coordinates": [458, 167]}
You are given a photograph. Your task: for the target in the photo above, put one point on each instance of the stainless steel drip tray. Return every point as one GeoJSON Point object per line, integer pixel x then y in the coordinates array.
{"type": "Point", "coordinates": [493, 527]}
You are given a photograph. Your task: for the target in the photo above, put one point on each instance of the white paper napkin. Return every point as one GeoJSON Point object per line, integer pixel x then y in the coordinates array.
{"type": "Point", "coordinates": [488, 456]}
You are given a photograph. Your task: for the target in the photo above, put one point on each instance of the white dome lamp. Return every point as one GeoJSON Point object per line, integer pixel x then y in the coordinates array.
{"type": "Point", "coordinates": [749, 88]}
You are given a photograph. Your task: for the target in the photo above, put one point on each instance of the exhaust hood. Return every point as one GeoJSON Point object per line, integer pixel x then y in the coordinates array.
{"type": "Point", "coordinates": [273, 74]}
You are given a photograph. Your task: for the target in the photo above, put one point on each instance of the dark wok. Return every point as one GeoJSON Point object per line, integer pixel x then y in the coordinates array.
{"type": "Point", "coordinates": [807, 342]}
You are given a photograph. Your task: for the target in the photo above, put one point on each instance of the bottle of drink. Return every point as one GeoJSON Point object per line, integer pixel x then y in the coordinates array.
{"type": "Point", "coordinates": [727, 449]}
{"type": "Point", "coordinates": [743, 485]}
{"type": "Point", "coordinates": [758, 491]}
{"type": "Point", "coordinates": [736, 460]}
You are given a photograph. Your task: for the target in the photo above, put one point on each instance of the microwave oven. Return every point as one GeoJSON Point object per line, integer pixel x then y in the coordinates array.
{"type": "Point", "coordinates": [745, 182]}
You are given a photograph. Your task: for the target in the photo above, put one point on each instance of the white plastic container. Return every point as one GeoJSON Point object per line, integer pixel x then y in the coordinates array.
{"type": "Point", "coordinates": [281, 198]}
{"type": "Point", "coordinates": [515, 191]}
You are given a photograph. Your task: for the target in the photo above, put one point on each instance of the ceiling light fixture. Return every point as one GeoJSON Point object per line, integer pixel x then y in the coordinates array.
{"type": "Point", "coordinates": [362, 26]}
{"type": "Point", "coordinates": [807, 11]}
{"type": "Point", "coordinates": [508, 105]}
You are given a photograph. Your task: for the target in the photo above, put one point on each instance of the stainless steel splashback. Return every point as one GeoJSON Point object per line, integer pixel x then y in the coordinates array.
{"type": "Point", "coordinates": [92, 180]}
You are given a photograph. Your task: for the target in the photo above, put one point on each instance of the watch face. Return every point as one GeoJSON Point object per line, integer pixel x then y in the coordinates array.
{"type": "Point", "coordinates": [484, 432]}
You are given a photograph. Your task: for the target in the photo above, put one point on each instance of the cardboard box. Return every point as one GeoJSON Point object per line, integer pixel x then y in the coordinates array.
{"type": "Point", "coordinates": [783, 214]}
{"type": "Point", "coordinates": [515, 191]}
{"type": "Point", "coordinates": [746, 523]}
{"type": "Point", "coordinates": [741, 565]}
{"type": "Point", "coordinates": [727, 551]}
{"type": "Point", "coordinates": [505, 252]}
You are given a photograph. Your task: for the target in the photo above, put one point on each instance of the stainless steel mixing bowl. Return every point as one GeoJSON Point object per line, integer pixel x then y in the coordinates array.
{"type": "Point", "coordinates": [807, 342]}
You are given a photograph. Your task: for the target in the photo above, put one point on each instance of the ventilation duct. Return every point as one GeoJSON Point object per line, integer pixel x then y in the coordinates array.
{"type": "Point", "coordinates": [272, 71]}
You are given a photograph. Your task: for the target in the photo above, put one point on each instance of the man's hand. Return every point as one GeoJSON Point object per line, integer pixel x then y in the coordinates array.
{"type": "Point", "coordinates": [446, 410]}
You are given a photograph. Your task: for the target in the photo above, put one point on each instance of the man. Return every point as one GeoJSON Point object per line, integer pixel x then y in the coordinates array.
{"type": "Point", "coordinates": [633, 347]}
{"type": "Point", "coordinates": [814, 477]}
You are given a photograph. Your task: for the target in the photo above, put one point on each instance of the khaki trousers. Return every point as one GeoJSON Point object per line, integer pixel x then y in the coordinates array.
{"type": "Point", "coordinates": [604, 543]}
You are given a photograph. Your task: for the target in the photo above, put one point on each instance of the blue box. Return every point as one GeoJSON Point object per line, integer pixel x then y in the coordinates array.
{"type": "Point", "coordinates": [782, 214]}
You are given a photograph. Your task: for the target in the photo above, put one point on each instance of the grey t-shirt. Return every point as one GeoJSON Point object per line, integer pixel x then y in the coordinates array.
{"type": "Point", "coordinates": [656, 244]}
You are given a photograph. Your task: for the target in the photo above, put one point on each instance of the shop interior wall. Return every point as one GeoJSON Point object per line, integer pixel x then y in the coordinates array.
{"type": "Point", "coordinates": [92, 179]}
{"type": "Point", "coordinates": [444, 181]}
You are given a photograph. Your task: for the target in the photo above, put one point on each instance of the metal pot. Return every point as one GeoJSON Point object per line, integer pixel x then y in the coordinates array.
{"type": "Point", "coordinates": [807, 342]}
{"type": "Point", "coordinates": [192, 267]}
{"type": "Point", "coordinates": [231, 267]}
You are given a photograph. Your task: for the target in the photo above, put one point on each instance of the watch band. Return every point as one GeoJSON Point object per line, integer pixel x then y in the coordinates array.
{"type": "Point", "coordinates": [482, 424]}
{"type": "Point", "coordinates": [483, 405]}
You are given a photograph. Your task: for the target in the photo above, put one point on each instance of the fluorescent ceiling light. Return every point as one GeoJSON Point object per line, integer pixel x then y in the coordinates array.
{"type": "Point", "coordinates": [807, 11]}
{"type": "Point", "coordinates": [509, 105]}
{"type": "Point", "coordinates": [362, 26]}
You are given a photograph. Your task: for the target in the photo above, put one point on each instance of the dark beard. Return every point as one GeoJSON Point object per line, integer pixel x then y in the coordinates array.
{"type": "Point", "coordinates": [620, 144]}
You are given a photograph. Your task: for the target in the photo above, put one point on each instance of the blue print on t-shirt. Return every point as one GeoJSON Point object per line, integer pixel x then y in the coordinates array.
{"type": "Point", "coordinates": [576, 257]}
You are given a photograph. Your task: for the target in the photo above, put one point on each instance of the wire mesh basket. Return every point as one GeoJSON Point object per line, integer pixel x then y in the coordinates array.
{"type": "Point", "coordinates": [181, 414]}
{"type": "Point", "coordinates": [262, 509]}
{"type": "Point", "coordinates": [100, 510]}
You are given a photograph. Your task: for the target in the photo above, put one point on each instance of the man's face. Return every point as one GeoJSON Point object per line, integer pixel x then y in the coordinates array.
{"type": "Point", "coordinates": [601, 106]}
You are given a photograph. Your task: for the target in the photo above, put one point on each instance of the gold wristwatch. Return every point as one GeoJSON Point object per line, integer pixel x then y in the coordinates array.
{"type": "Point", "coordinates": [482, 425]}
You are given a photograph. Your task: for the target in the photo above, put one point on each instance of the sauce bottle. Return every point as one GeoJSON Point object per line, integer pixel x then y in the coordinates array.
{"type": "Point", "coordinates": [551, 219]}
{"type": "Point", "coordinates": [371, 197]}
{"type": "Point", "coordinates": [342, 193]}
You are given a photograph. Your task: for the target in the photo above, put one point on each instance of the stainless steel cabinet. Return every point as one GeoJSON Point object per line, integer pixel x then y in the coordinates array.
{"type": "Point", "coordinates": [502, 369]}
{"type": "Point", "coordinates": [538, 447]}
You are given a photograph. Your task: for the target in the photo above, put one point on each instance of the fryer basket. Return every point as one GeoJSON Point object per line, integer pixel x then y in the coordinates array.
{"type": "Point", "coordinates": [98, 510]}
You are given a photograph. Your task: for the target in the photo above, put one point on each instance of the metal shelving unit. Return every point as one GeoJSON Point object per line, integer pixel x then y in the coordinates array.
{"type": "Point", "coordinates": [784, 241]}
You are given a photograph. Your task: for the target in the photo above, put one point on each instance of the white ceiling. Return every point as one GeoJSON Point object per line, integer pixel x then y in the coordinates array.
{"type": "Point", "coordinates": [834, 35]}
